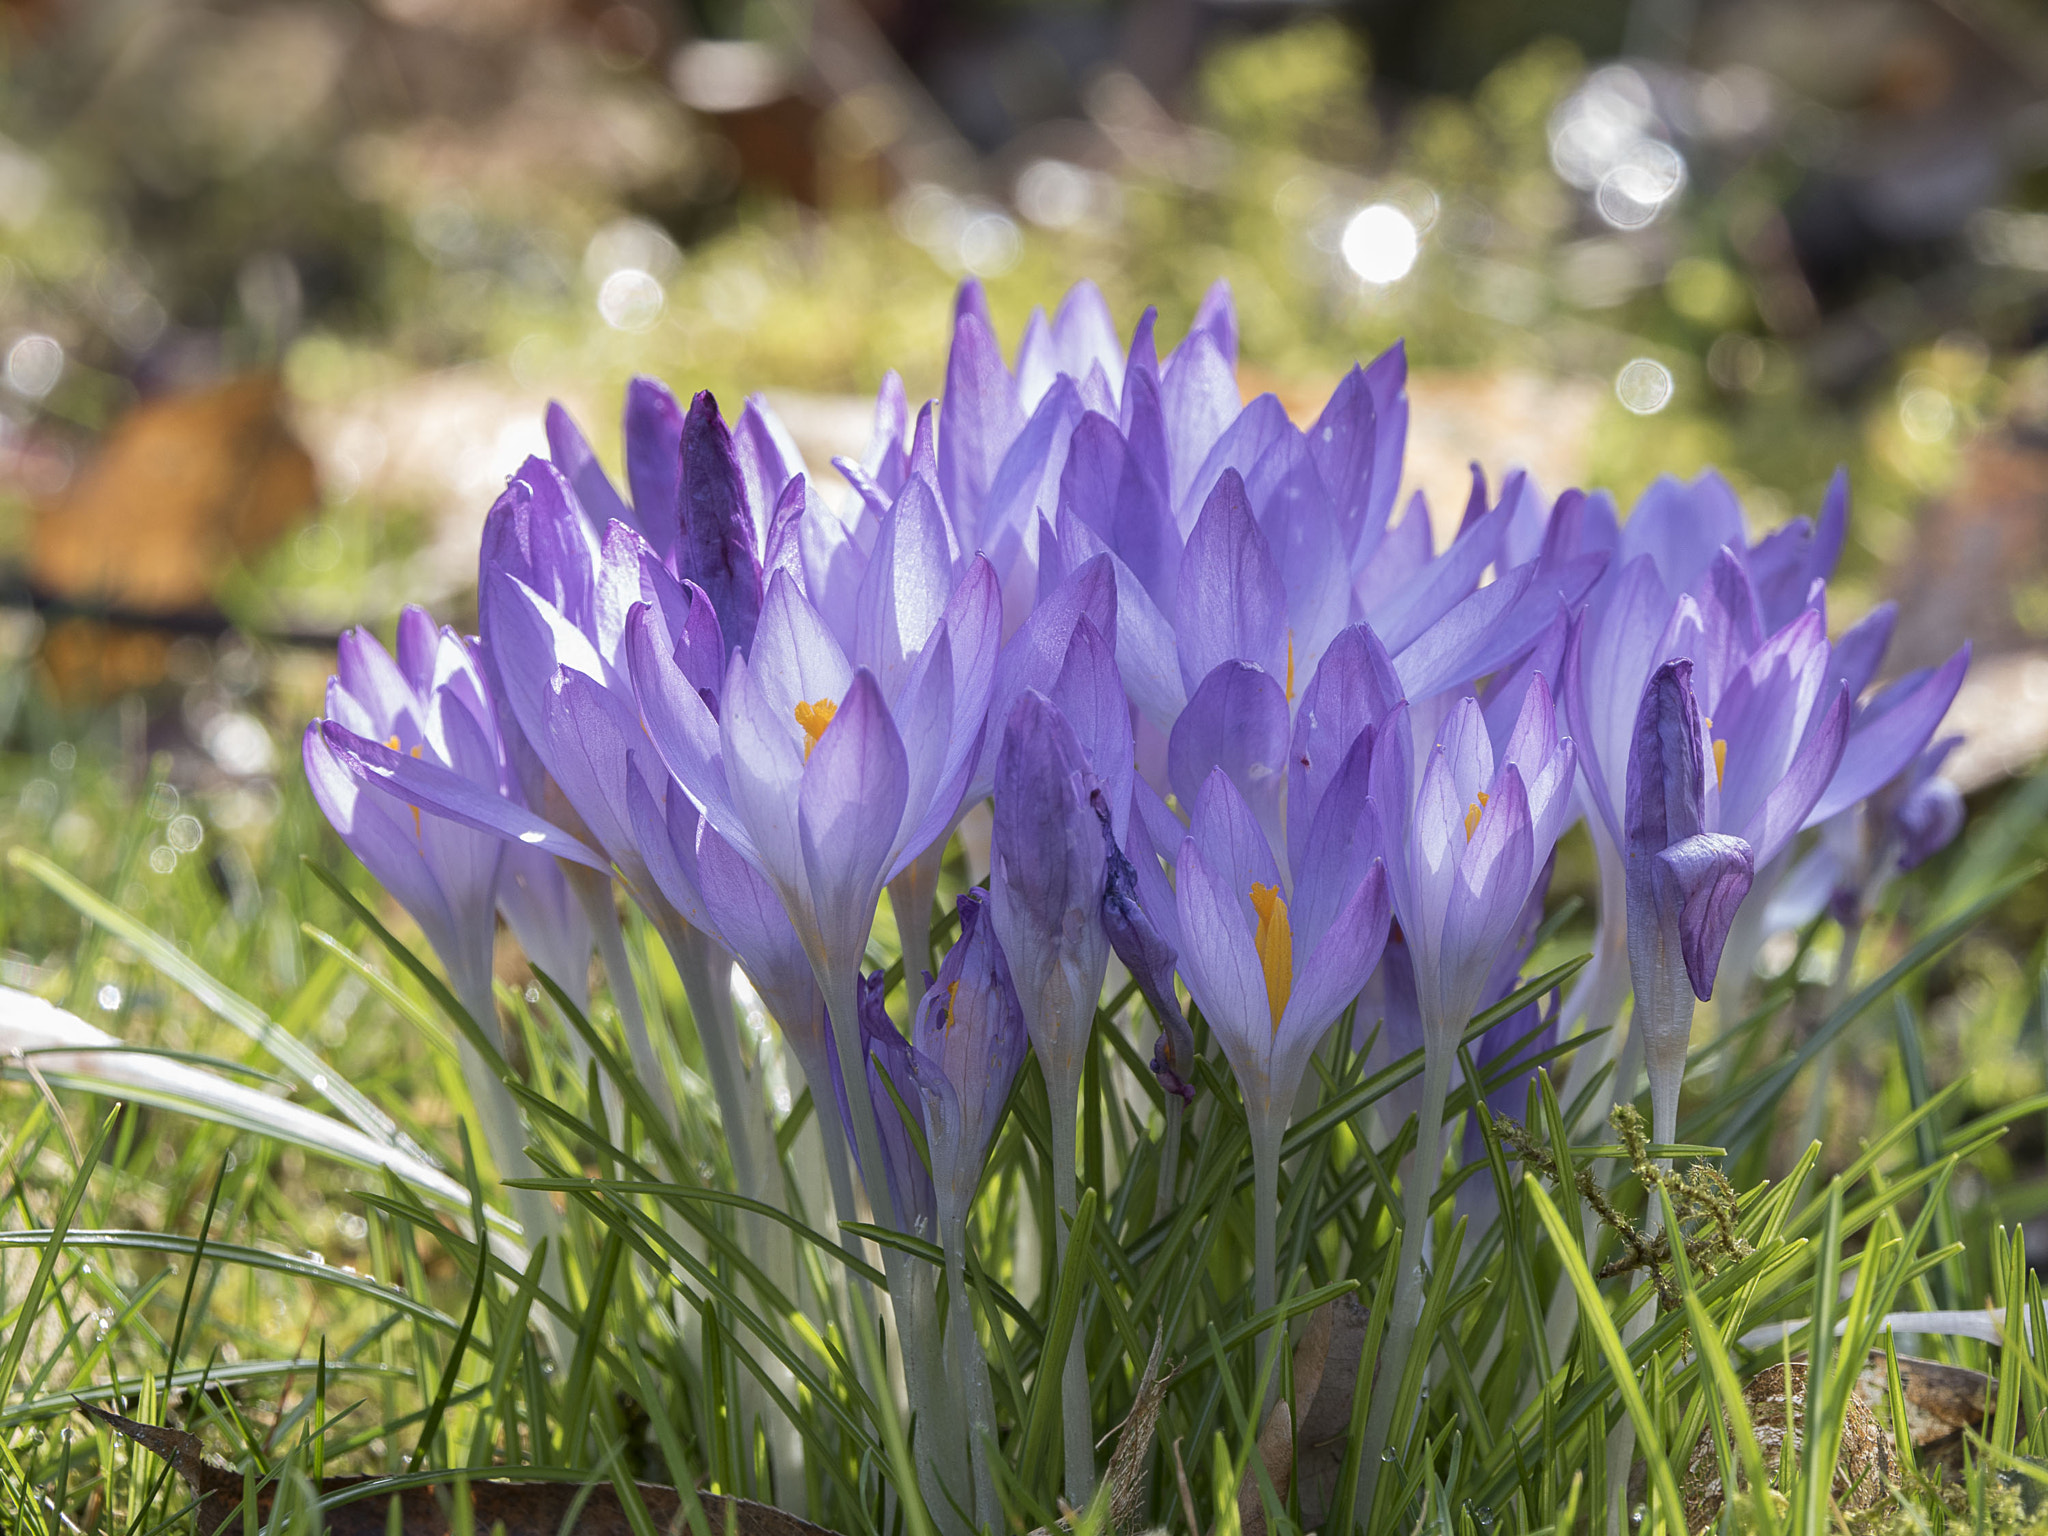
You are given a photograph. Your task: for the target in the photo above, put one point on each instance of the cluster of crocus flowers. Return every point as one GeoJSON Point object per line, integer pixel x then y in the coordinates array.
{"type": "Point", "coordinates": [1241, 726]}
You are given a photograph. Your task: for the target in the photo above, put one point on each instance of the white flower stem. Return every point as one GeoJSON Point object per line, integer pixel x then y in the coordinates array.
{"type": "Point", "coordinates": [593, 892]}
{"type": "Point", "coordinates": [1265, 1227]}
{"type": "Point", "coordinates": [936, 1432]}
{"type": "Point", "coordinates": [1426, 1173]}
{"type": "Point", "coordinates": [505, 1139]}
{"type": "Point", "coordinates": [911, 897]}
{"type": "Point", "coordinates": [970, 1375]}
{"type": "Point", "coordinates": [1076, 1420]}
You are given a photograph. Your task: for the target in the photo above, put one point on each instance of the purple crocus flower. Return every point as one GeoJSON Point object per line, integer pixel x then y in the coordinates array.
{"type": "Point", "coordinates": [430, 700]}
{"type": "Point", "coordinates": [1046, 880]}
{"type": "Point", "coordinates": [895, 1107]}
{"type": "Point", "coordinates": [1462, 857]}
{"type": "Point", "coordinates": [428, 705]}
{"type": "Point", "coordinates": [830, 772]}
{"type": "Point", "coordinates": [913, 1199]}
{"type": "Point", "coordinates": [969, 1041]}
{"type": "Point", "coordinates": [1686, 876]}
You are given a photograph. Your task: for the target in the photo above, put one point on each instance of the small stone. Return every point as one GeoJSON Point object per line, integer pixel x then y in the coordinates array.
{"type": "Point", "coordinates": [1861, 1470]}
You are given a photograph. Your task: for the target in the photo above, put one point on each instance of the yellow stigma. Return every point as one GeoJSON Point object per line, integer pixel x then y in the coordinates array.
{"type": "Point", "coordinates": [1275, 944]}
{"type": "Point", "coordinates": [1290, 666]}
{"type": "Point", "coordinates": [952, 1003]}
{"type": "Point", "coordinates": [1472, 815]}
{"type": "Point", "coordinates": [814, 718]}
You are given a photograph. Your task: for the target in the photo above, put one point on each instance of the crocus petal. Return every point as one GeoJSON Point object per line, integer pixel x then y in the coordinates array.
{"type": "Point", "coordinates": [1791, 801]}
{"type": "Point", "coordinates": [850, 808]}
{"type": "Point", "coordinates": [572, 455]}
{"type": "Point", "coordinates": [1231, 838]}
{"type": "Point", "coordinates": [654, 442]}
{"type": "Point", "coordinates": [1231, 602]}
{"type": "Point", "coordinates": [1666, 765]}
{"type": "Point", "coordinates": [1146, 650]}
{"type": "Point", "coordinates": [1220, 964]}
{"type": "Point", "coordinates": [904, 591]}
{"type": "Point", "coordinates": [1455, 573]}
{"type": "Point", "coordinates": [979, 417]}
{"type": "Point", "coordinates": [1236, 721]}
{"type": "Point", "coordinates": [1700, 881]}
{"type": "Point", "coordinates": [1199, 394]}
{"type": "Point", "coordinates": [445, 793]}
{"type": "Point", "coordinates": [1353, 687]}
{"type": "Point", "coordinates": [1090, 694]}
{"type": "Point", "coordinates": [716, 548]}
{"type": "Point", "coordinates": [1890, 733]}
{"type": "Point", "coordinates": [1682, 527]}
{"type": "Point", "coordinates": [1338, 965]}
{"type": "Point", "coordinates": [1106, 486]}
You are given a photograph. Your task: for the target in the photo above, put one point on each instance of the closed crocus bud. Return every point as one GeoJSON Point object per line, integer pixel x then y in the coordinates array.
{"type": "Point", "coordinates": [885, 1051]}
{"type": "Point", "coordinates": [969, 1042]}
{"type": "Point", "coordinates": [1047, 879]}
{"type": "Point", "coordinates": [1149, 958]}
{"type": "Point", "coordinates": [1684, 882]}
{"type": "Point", "coordinates": [1047, 875]}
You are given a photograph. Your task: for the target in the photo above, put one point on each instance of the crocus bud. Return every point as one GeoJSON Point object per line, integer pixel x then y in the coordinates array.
{"type": "Point", "coordinates": [1684, 883]}
{"type": "Point", "coordinates": [885, 1050]}
{"type": "Point", "coordinates": [1148, 957]}
{"type": "Point", "coordinates": [1047, 879]}
{"type": "Point", "coordinates": [969, 1042]}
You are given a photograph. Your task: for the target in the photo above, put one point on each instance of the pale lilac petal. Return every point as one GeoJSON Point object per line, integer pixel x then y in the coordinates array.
{"type": "Point", "coordinates": [654, 444]}
{"type": "Point", "coordinates": [1231, 602]}
{"type": "Point", "coordinates": [1344, 444]}
{"type": "Point", "coordinates": [1331, 973]}
{"type": "Point", "coordinates": [1033, 656]}
{"type": "Point", "coordinates": [1090, 693]}
{"type": "Point", "coordinates": [1084, 335]}
{"type": "Point", "coordinates": [572, 455]}
{"type": "Point", "coordinates": [795, 659]}
{"type": "Point", "coordinates": [1468, 751]}
{"type": "Point", "coordinates": [1232, 839]}
{"type": "Point", "coordinates": [1392, 565]}
{"type": "Point", "coordinates": [1105, 486]}
{"type": "Point", "coordinates": [904, 592]}
{"type": "Point", "coordinates": [1462, 644]}
{"type": "Point", "coordinates": [682, 727]}
{"type": "Point", "coordinates": [1494, 871]}
{"type": "Point", "coordinates": [850, 807]}
{"type": "Point", "coordinates": [1343, 837]}
{"type": "Point", "coordinates": [1790, 802]}
{"type": "Point", "coordinates": [1682, 527]}
{"type": "Point", "coordinates": [1890, 733]}
{"type": "Point", "coordinates": [1220, 964]}
{"type": "Point", "coordinates": [443, 792]}
{"type": "Point", "coordinates": [1251, 432]}
{"type": "Point", "coordinates": [670, 860]}
{"type": "Point", "coordinates": [1860, 651]}
{"type": "Point", "coordinates": [1146, 648]}
{"type": "Point", "coordinates": [1353, 688]}
{"type": "Point", "coordinates": [1198, 394]}
{"type": "Point", "coordinates": [764, 767]}
{"type": "Point", "coordinates": [1216, 318]}
{"type": "Point", "coordinates": [1236, 722]}
{"type": "Point", "coordinates": [979, 417]}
